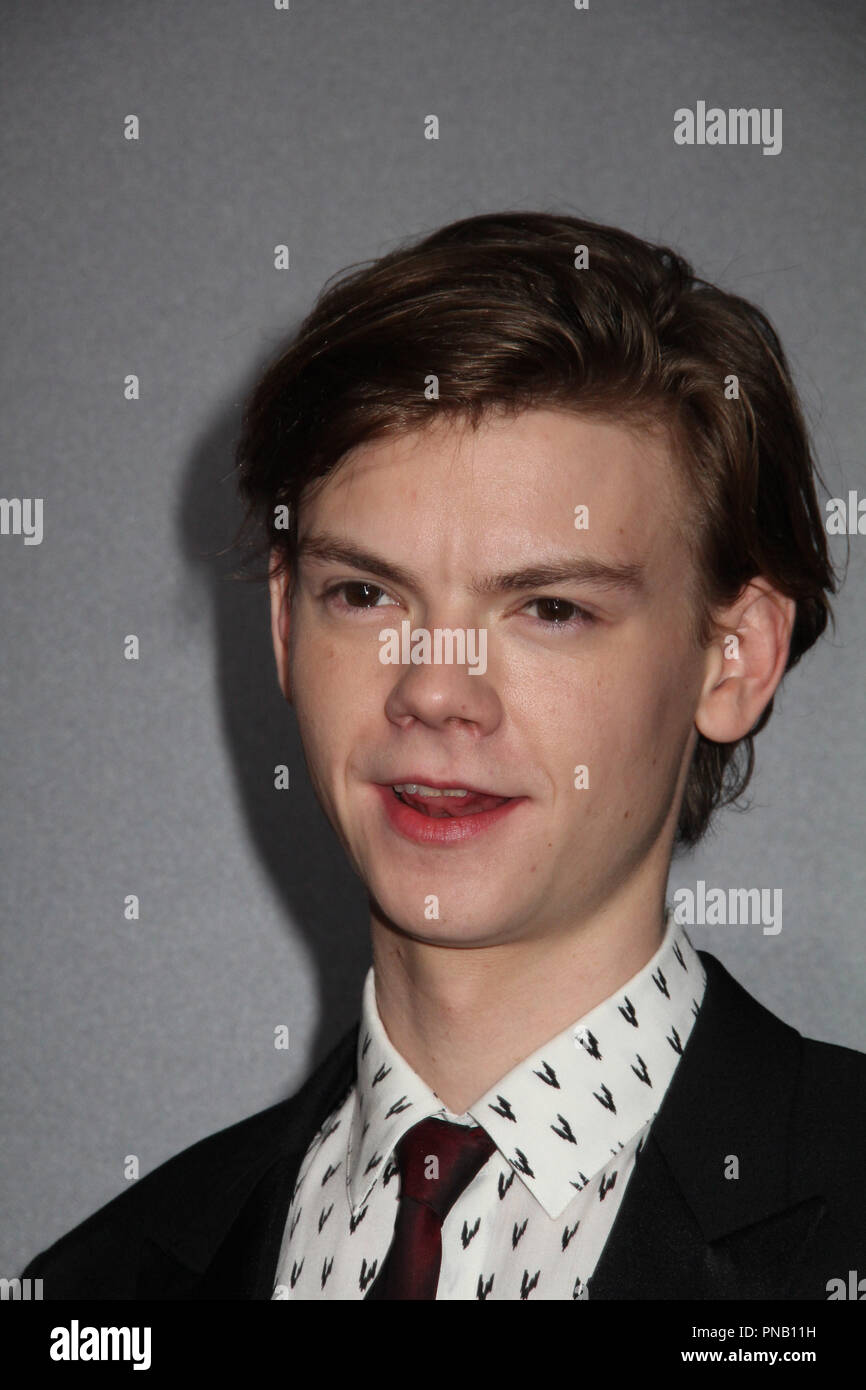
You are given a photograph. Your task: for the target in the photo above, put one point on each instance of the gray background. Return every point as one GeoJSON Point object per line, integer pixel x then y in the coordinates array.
{"type": "Point", "coordinates": [260, 127]}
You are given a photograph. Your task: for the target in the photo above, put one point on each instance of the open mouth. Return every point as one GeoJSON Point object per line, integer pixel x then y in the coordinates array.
{"type": "Point", "coordinates": [447, 802]}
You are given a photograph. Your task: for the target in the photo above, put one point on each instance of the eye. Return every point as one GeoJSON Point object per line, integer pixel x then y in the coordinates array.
{"type": "Point", "coordinates": [351, 588]}
{"type": "Point", "coordinates": [361, 596]}
{"type": "Point", "coordinates": [556, 619]}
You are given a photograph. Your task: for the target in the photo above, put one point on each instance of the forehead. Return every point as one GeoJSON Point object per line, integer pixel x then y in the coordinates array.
{"type": "Point", "coordinates": [508, 485]}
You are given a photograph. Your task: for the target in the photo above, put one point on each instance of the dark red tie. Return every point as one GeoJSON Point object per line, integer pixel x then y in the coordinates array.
{"type": "Point", "coordinates": [411, 1266]}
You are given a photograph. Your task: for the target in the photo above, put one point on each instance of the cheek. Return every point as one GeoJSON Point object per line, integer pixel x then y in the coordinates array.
{"type": "Point", "coordinates": [336, 701]}
{"type": "Point", "coordinates": [318, 667]}
{"type": "Point", "coordinates": [632, 732]}
{"type": "Point", "coordinates": [317, 691]}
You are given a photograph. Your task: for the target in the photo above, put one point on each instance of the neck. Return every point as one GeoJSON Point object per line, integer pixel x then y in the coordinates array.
{"type": "Point", "coordinates": [462, 1017]}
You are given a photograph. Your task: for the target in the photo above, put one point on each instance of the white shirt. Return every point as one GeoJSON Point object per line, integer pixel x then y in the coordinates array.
{"type": "Point", "coordinates": [568, 1123]}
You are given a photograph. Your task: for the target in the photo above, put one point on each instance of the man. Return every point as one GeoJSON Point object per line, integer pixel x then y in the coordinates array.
{"type": "Point", "coordinates": [543, 540]}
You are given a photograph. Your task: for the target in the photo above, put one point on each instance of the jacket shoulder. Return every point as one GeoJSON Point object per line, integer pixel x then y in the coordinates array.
{"type": "Point", "coordinates": [105, 1238]}
{"type": "Point", "coordinates": [199, 1188]}
{"type": "Point", "coordinates": [832, 1101]}
{"type": "Point", "coordinates": [799, 1103]}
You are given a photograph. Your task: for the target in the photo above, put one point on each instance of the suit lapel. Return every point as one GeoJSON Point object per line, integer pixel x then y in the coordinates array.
{"type": "Point", "coordinates": [688, 1228]}
{"type": "Point", "coordinates": [657, 1249]}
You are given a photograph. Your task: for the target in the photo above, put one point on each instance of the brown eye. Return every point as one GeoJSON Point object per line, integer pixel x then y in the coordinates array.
{"type": "Point", "coordinates": [551, 609]}
{"type": "Point", "coordinates": [360, 595]}
{"type": "Point", "coordinates": [353, 587]}
{"type": "Point", "coordinates": [558, 613]}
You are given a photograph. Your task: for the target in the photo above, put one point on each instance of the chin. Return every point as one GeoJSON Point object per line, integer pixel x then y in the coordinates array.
{"type": "Point", "coordinates": [472, 929]}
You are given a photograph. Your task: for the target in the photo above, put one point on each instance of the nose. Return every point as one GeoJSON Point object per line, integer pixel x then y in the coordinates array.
{"type": "Point", "coordinates": [440, 689]}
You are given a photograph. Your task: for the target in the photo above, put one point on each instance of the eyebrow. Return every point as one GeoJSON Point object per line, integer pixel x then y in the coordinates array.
{"type": "Point", "coordinates": [583, 569]}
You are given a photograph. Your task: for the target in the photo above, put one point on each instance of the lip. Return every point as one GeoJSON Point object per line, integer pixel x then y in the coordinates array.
{"type": "Point", "coordinates": [446, 830]}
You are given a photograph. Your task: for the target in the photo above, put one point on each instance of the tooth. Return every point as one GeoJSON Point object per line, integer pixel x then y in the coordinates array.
{"type": "Point", "coordinates": [417, 789]}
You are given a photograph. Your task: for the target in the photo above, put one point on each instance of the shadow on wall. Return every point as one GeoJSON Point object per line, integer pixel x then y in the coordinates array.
{"type": "Point", "coordinates": [323, 898]}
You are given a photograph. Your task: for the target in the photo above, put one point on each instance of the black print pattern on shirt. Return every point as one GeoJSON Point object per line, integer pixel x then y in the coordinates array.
{"type": "Point", "coordinates": [640, 1070]}
{"type": "Point", "coordinates": [564, 1130]}
{"type": "Point", "coordinates": [466, 1234]}
{"type": "Point", "coordinates": [605, 1185]}
{"type": "Point", "coordinates": [605, 1099]}
{"type": "Point", "coordinates": [398, 1107]}
{"type": "Point", "coordinates": [627, 1010]}
{"type": "Point", "coordinates": [589, 1041]}
{"type": "Point", "coordinates": [504, 1109]}
{"type": "Point", "coordinates": [569, 1123]}
{"type": "Point", "coordinates": [521, 1163]}
{"type": "Point", "coordinates": [504, 1183]}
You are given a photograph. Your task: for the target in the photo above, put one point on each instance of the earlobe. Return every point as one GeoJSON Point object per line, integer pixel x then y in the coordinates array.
{"type": "Point", "coordinates": [746, 662]}
{"type": "Point", "coordinates": [280, 620]}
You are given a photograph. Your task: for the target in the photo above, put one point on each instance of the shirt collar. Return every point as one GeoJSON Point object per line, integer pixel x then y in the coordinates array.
{"type": "Point", "coordinates": [559, 1115]}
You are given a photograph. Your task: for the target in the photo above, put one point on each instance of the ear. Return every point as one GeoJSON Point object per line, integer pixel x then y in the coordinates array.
{"type": "Point", "coordinates": [280, 620]}
{"type": "Point", "coordinates": [745, 661]}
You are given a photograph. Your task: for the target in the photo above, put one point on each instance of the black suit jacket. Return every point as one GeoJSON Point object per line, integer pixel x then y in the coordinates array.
{"type": "Point", "coordinates": [208, 1224]}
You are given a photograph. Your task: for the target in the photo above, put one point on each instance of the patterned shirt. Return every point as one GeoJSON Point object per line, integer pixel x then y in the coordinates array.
{"type": "Point", "coordinates": [568, 1123]}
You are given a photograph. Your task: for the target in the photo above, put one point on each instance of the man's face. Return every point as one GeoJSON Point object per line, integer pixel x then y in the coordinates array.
{"type": "Point", "coordinates": [605, 679]}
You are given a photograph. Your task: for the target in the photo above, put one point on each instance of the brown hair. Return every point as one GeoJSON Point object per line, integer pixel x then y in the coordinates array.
{"type": "Point", "coordinates": [496, 307]}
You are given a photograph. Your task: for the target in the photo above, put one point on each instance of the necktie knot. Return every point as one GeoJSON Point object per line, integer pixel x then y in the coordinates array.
{"type": "Point", "coordinates": [438, 1159]}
